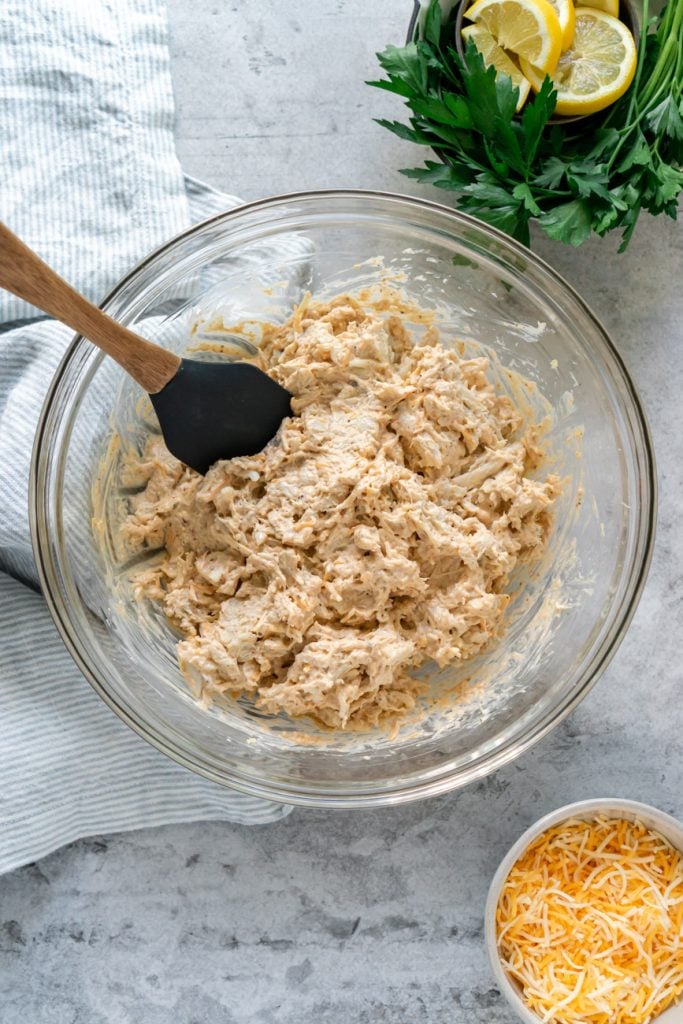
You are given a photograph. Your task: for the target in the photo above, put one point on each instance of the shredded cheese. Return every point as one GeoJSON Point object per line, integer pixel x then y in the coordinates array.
{"type": "Point", "coordinates": [590, 923]}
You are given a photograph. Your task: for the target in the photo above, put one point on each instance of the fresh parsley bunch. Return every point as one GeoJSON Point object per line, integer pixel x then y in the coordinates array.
{"type": "Point", "coordinates": [593, 175]}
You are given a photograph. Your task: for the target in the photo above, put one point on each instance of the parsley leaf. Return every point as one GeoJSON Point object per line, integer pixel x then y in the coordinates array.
{"type": "Point", "coordinates": [637, 156]}
{"type": "Point", "coordinates": [535, 117]}
{"type": "Point", "coordinates": [432, 25]}
{"type": "Point", "coordinates": [552, 174]}
{"type": "Point", "coordinates": [569, 222]}
{"type": "Point", "coordinates": [406, 65]}
{"type": "Point", "coordinates": [524, 194]}
{"type": "Point", "coordinates": [665, 119]}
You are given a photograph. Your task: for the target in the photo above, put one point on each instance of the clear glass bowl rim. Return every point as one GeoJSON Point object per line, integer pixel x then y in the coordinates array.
{"type": "Point", "coordinates": [444, 782]}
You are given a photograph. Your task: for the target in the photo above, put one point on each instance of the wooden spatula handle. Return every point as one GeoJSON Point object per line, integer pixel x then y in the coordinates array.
{"type": "Point", "coordinates": [24, 273]}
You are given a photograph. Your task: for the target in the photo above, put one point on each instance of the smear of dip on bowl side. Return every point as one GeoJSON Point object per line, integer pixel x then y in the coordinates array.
{"type": "Point", "coordinates": [378, 530]}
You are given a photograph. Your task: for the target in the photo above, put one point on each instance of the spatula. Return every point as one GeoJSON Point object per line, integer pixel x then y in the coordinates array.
{"type": "Point", "coordinates": [206, 410]}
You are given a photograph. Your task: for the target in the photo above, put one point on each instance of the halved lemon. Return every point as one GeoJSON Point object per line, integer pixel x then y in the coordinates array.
{"type": "Point", "coordinates": [494, 55]}
{"type": "Point", "coordinates": [527, 28]}
{"type": "Point", "coordinates": [597, 68]}
{"type": "Point", "coordinates": [608, 6]}
{"type": "Point", "coordinates": [566, 17]}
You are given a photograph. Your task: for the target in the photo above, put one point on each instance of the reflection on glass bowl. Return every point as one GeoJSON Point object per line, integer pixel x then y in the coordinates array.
{"type": "Point", "coordinates": [567, 616]}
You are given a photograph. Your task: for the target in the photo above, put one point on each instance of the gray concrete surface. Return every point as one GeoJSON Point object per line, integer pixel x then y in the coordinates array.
{"type": "Point", "coordinates": [351, 918]}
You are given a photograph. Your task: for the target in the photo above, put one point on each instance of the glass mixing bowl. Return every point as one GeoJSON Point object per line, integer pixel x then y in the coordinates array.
{"type": "Point", "coordinates": [568, 614]}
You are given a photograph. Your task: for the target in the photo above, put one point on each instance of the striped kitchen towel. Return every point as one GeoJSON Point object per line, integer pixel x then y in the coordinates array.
{"type": "Point", "coordinates": [90, 179]}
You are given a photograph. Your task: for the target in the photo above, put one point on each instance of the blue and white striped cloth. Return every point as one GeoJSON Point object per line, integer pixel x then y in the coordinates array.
{"type": "Point", "coordinates": [89, 179]}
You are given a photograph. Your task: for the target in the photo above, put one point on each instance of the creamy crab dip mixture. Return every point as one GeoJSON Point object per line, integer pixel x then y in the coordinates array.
{"type": "Point", "coordinates": [376, 531]}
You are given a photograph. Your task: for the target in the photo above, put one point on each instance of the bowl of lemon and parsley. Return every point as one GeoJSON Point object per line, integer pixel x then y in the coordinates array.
{"type": "Point", "coordinates": [587, 51]}
{"type": "Point", "coordinates": [495, 87]}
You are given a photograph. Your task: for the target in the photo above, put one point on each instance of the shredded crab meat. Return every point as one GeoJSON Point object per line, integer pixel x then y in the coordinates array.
{"type": "Point", "coordinates": [376, 531]}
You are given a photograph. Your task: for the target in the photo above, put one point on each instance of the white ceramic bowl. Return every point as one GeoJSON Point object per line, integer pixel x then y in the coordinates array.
{"type": "Point", "coordinates": [631, 810]}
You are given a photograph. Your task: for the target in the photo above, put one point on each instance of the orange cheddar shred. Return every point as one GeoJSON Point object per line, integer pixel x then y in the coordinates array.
{"type": "Point", "coordinates": [590, 923]}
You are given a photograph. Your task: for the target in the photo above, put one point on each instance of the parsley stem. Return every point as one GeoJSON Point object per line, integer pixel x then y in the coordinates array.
{"type": "Point", "coordinates": [666, 71]}
{"type": "Point", "coordinates": [664, 74]}
{"type": "Point", "coordinates": [641, 60]}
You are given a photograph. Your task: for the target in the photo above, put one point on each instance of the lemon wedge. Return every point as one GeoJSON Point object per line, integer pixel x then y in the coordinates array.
{"type": "Point", "coordinates": [608, 6]}
{"type": "Point", "coordinates": [494, 55]}
{"type": "Point", "coordinates": [526, 28]}
{"type": "Point", "coordinates": [566, 16]}
{"type": "Point", "coordinates": [597, 68]}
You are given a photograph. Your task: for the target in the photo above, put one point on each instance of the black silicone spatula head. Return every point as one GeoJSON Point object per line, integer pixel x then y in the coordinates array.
{"type": "Point", "coordinates": [210, 411]}
{"type": "Point", "coordinates": [207, 411]}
